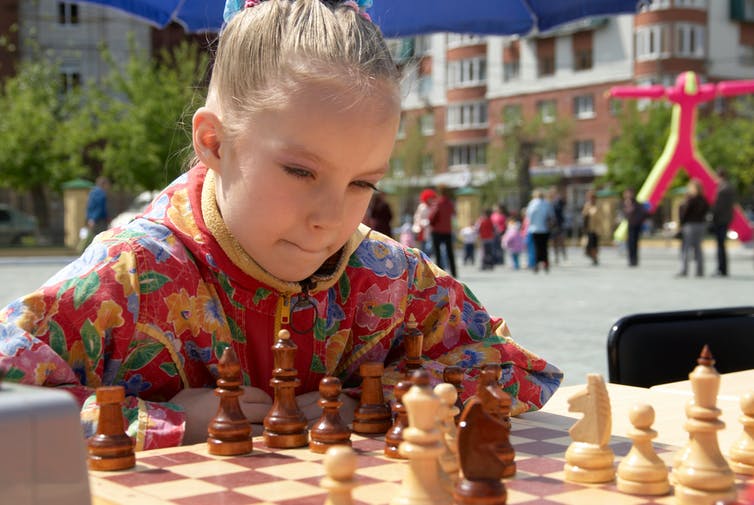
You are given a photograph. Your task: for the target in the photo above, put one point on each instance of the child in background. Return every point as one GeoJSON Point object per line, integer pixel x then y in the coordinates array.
{"type": "Point", "coordinates": [262, 233]}
{"type": "Point", "coordinates": [468, 238]}
{"type": "Point", "coordinates": [513, 240]}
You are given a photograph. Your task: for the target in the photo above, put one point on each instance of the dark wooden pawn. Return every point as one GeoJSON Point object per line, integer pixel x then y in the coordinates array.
{"type": "Point", "coordinates": [413, 340]}
{"type": "Point", "coordinates": [285, 423]}
{"type": "Point", "coordinates": [373, 415]}
{"type": "Point", "coordinates": [481, 468]}
{"type": "Point", "coordinates": [394, 436]}
{"type": "Point", "coordinates": [229, 432]}
{"type": "Point", "coordinates": [454, 375]}
{"type": "Point", "coordinates": [330, 429]}
{"type": "Point", "coordinates": [110, 448]}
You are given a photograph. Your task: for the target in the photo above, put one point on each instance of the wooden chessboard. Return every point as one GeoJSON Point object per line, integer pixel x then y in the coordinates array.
{"type": "Point", "coordinates": [190, 476]}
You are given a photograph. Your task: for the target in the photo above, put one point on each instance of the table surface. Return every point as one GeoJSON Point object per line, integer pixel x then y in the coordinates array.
{"type": "Point", "coordinates": [668, 401]}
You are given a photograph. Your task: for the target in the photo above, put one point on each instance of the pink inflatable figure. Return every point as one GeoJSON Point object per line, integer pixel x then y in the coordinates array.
{"type": "Point", "coordinates": [681, 150]}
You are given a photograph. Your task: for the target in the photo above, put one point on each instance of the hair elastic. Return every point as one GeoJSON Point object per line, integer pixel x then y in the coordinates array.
{"type": "Point", "coordinates": [232, 7]}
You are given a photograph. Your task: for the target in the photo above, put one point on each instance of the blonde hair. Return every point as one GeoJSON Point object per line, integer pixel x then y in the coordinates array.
{"type": "Point", "coordinates": [271, 50]}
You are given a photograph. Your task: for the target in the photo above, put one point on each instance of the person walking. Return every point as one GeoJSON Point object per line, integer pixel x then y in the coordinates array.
{"type": "Point", "coordinates": [97, 215]}
{"type": "Point", "coordinates": [500, 221]}
{"type": "Point", "coordinates": [634, 213]}
{"type": "Point", "coordinates": [594, 222]}
{"type": "Point", "coordinates": [486, 230]}
{"type": "Point", "coordinates": [380, 215]}
{"type": "Point", "coordinates": [513, 239]}
{"type": "Point", "coordinates": [722, 215]}
{"type": "Point", "coordinates": [541, 215]}
{"type": "Point", "coordinates": [693, 218]}
{"type": "Point", "coordinates": [421, 220]}
{"type": "Point", "coordinates": [468, 236]}
{"type": "Point", "coordinates": [441, 221]}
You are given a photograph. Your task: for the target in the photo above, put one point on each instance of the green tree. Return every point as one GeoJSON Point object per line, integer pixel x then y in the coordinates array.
{"type": "Point", "coordinates": [144, 114]}
{"type": "Point", "coordinates": [641, 139]}
{"type": "Point", "coordinates": [37, 150]}
{"type": "Point", "coordinates": [518, 144]}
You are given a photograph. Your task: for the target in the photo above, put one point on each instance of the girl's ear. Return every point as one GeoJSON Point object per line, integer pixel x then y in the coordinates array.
{"type": "Point", "coordinates": [207, 137]}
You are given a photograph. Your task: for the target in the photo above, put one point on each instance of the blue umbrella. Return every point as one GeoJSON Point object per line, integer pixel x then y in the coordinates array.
{"type": "Point", "coordinates": [405, 17]}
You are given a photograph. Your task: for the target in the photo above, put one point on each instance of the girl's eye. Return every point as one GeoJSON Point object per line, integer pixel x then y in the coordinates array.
{"type": "Point", "coordinates": [298, 172]}
{"type": "Point", "coordinates": [365, 185]}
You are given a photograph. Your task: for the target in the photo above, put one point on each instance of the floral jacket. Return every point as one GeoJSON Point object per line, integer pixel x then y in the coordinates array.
{"type": "Point", "coordinates": [152, 305]}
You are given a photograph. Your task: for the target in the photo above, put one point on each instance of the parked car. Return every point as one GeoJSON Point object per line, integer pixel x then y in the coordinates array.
{"type": "Point", "coordinates": [16, 227]}
{"type": "Point", "coordinates": [136, 207]}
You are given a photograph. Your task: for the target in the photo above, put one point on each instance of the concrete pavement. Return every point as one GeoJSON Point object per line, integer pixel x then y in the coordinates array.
{"type": "Point", "coordinates": [565, 315]}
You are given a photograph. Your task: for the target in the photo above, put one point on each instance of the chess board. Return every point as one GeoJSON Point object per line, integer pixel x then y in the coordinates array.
{"type": "Point", "coordinates": [189, 475]}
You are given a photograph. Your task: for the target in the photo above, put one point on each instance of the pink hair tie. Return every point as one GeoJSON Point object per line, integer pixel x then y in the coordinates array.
{"type": "Point", "coordinates": [352, 4]}
{"type": "Point", "coordinates": [252, 3]}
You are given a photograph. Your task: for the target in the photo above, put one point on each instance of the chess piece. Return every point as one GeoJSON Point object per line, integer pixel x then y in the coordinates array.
{"type": "Point", "coordinates": [449, 459]}
{"type": "Point", "coordinates": [394, 435]}
{"type": "Point", "coordinates": [330, 429]}
{"type": "Point", "coordinates": [589, 458]}
{"type": "Point", "coordinates": [413, 340]}
{"type": "Point", "coordinates": [497, 403]}
{"type": "Point", "coordinates": [642, 471]}
{"type": "Point", "coordinates": [701, 474]}
{"type": "Point", "coordinates": [339, 480]}
{"type": "Point", "coordinates": [373, 414]}
{"type": "Point", "coordinates": [285, 424]}
{"type": "Point", "coordinates": [454, 375]}
{"type": "Point", "coordinates": [741, 455]}
{"type": "Point", "coordinates": [422, 445]}
{"type": "Point", "coordinates": [479, 436]}
{"type": "Point", "coordinates": [110, 448]}
{"type": "Point", "coordinates": [229, 431]}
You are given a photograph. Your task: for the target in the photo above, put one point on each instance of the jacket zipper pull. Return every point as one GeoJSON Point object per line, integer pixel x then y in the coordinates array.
{"type": "Point", "coordinates": [303, 302]}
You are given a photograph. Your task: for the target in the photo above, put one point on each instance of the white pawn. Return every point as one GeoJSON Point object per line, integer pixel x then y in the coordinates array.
{"type": "Point", "coordinates": [741, 455]}
{"type": "Point", "coordinates": [642, 471]}
{"type": "Point", "coordinates": [422, 445]}
{"type": "Point", "coordinates": [449, 459]}
{"type": "Point", "coordinates": [340, 467]}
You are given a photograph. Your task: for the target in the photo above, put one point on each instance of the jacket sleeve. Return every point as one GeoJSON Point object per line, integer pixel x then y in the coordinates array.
{"type": "Point", "coordinates": [459, 331]}
{"type": "Point", "coordinates": [79, 331]}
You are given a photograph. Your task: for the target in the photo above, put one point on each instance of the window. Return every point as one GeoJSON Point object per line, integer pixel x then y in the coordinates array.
{"type": "Point", "coordinates": [616, 106]}
{"type": "Point", "coordinates": [428, 164]}
{"type": "Point", "coordinates": [742, 10]}
{"type": "Point", "coordinates": [425, 86]}
{"type": "Point", "coordinates": [396, 166]}
{"type": "Point", "coordinates": [582, 50]}
{"type": "Point", "coordinates": [655, 5]}
{"type": "Point", "coordinates": [402, 128]}
{"type": "Point", "coordinates": [464, 116]}
{"type": "Point", "coordinates": [550, 157]}
{"type": "Point", "coordinates": [651, 42]}
{"type": "Point", "coordinates": [583, 106]}
{"type": "Point", "coordinates": [691, 4]}
{"type": "Point", "coordinates": [690, 40]}
{"type": "Point", "coordinates": [546, 56]}
{"type": "Point", "coordinates": [457, 39]}
{"type": "Point", "coordinates": [511, 61]}
{"type": "Point", "coordinates": [746, 55]}
{"type": "Point", "coordinates": [422, 45]}
{"type": "Point", "coordinates": [427, 123]}
{"type": "Point", "coordinates": [468, 72]}
{"type": "Point", "coordinates": [546, 110]}
{"type": "Point", "coordinates": [583, 151]}
{"type": "Point", "coordinates": [69, 80]}
{"type": "Point", "coordinates": [468, 154]}
{"type": "Point", "coordinates": [68, 13]}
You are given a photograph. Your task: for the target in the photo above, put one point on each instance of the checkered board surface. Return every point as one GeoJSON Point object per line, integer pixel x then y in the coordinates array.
{"type": "Point", "coordinates": [189, 475]}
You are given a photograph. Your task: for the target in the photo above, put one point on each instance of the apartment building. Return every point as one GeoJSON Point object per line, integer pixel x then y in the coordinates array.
{"type": "Point", "coordinates": [464, 90]}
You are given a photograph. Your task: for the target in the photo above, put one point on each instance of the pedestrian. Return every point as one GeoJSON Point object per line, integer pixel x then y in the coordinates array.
{"type": "Point", "coordinates": [722, 215]}
{"type": "Point", "coordinates": [500, 220]}
{"type": "Point", "coordinates": [594, 222]}
{"type": "Point", "coordinates": [557, 231]}
{"type": "Point", "coordinates": [441, 222]}
{"type": "Point", "coordinates": [693, 219]}
{"type": "Point", "coordinates": [468, 239]}
{"type": "Point", "coordinates": [97, 214]}
{"type": "Point", "coordinates": [421, 220]}
{"type": "Point", "coordinates": [541, 216]}
{"type": "Point", "coordinates": [262, 234]}
{"type": "Point", "coordinates": [634, 213]}
{"type": "Point", "coordinates": [486, 231]}
{"type": "Point", "coordinates": [513, 239]}
{"type": "Point", "coordinates": [380, 215]}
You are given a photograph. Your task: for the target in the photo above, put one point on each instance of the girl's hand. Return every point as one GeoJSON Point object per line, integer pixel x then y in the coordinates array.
{"type": "Point", "coordinates": [201, 405]}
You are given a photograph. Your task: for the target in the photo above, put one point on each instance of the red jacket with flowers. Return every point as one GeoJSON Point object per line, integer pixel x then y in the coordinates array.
{"type": "Point", "coordinates": [151, 306]}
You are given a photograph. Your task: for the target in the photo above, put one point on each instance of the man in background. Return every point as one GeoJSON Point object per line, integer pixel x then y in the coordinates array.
{"type": "Point", "coordinates": [722, 215]}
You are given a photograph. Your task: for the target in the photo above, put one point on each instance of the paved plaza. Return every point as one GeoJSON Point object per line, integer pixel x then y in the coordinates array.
{"type": "Point", "coordinates": [565, 315]}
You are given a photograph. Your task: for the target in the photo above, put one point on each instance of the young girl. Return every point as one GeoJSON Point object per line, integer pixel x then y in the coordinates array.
{"type": "Point", "coordinates": [513, 240]}
{"type": "Point", "coordinates": [263, 233]}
